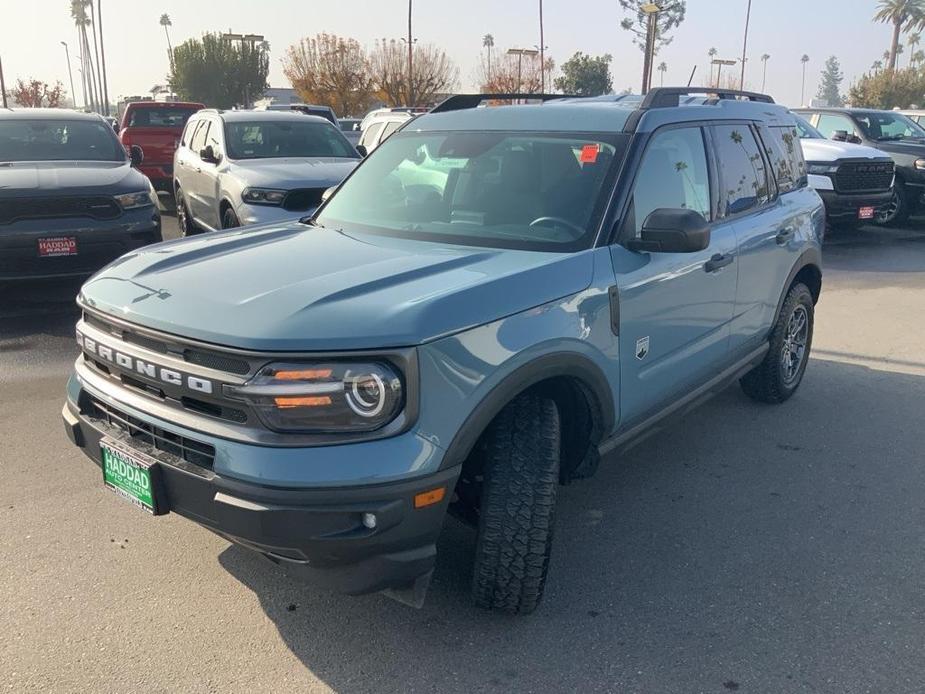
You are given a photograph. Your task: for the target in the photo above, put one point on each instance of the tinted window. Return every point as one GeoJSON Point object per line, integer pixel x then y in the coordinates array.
{"type": "Point", "coordinates": [391, 128]}
{"type": "Point", "coordinates": [673, 174]}
{"type": "Point", "coordinates": [287, 138]}
{"type": "Point", "coordinates": [742, 170]}
{"type": "Point", "coordinates": [159, 117]}
{"type": "Point", "coordinates": [371, 134]}
{"type": "Point", "coordinates": [56, 140]}
{"type": "Point", "coordinates": [515, 190]}
{"type": "Point", "coordinates": [782, 146]}
{"type": "Point", "coordinates": [830, 122]}
{"type": "Point", "coordinates": [805, 130]}
{"type": "Point", "coordinates": [880, 125]}
{"type": "Point", "coordinates": [199, 137]}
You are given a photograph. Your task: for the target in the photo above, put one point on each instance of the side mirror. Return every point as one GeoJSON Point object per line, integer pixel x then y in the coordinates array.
{"type": "Point", "coordinates": [362, 150]}
{"type": "Point", "coordinates": [328, 192]}
{"type": "Point", "coordinates": [672, 231]}
{"type": "Point", "coordinates": [840, 135]}
{"type": "Point", "coordinates": [136, 155]}
{"type": "Point", "coordinates": [207, 154]}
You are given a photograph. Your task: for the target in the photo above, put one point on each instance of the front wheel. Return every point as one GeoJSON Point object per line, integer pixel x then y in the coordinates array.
{"type": "Point", "coordinates": [777, 377]}
{"type": "Point", "coordinates": [897, 210]}
{"type": "Point", "coordinates": [229, 219]}
{"type": "Point", "coordinates": [518, 504]}
{"type": "Point", "coordinates": [185, 223]}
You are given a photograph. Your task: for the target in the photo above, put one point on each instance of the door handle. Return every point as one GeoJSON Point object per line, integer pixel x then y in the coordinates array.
{"type": "Point", "coordinates": [198, 169]}
{"type": "Point", "coordinates": [784, 235]}
{"type": "Point", "coordinates": [717, 262]}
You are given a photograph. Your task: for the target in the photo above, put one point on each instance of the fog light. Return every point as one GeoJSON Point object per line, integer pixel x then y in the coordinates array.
{"type": "Point", "coordinates": [369, 520]}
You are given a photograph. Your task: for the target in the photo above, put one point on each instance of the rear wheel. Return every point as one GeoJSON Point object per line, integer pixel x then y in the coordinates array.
{"type": "Point", "coordinates": [185, 222]}
{"type": "Point", "coordinates": [780, 374]}
{"type": "Point", "coordinates": [517, 509]}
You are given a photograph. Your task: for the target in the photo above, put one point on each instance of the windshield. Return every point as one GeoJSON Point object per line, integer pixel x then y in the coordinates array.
{"type": "Point", "coordinates": [531, 191]}
{"type": "Point", "coordinates": [289, 138]}
{"type": "Point", "coordinates": [58, 140]}
{"type": "Point", "coordinates": [159, 117]}
{"type": "Point", "coordinates": [885, 125]}
{"type": "Point", "coordinates": [806, 131]}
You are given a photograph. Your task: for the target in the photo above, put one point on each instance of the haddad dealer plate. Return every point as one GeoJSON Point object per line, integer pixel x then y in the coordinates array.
{"type": "Point", "coordinates": [131, 474]}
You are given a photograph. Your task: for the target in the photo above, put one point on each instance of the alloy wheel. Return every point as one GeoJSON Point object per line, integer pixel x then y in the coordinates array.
{"type": "Point", "coordinates": [793, 350]}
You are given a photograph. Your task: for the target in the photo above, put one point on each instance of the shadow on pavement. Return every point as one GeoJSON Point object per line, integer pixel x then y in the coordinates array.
{"type": "Point", "coordinates": [776, 546]}
{"type": "Point", "coordinates": [877, 249]}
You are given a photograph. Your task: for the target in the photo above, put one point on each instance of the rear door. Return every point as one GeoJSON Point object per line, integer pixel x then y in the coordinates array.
{"type": "Point", "coordinates": [195, 183]}
{"type": "Point", "coordinates": [675, 308]}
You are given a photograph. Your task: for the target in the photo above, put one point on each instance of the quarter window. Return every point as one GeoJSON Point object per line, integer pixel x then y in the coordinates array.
{"type": "Point", "coordinates": [783, 149]}
{"type": "Point", "coordinates": [371, 134]}
{"type": "Point", "coordinates": [673, 174]}
{"type": "Point", "coordinates": [742, 170]}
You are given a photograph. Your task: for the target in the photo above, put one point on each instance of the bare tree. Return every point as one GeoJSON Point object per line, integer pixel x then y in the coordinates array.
{"type": "Point", "coordinates": [433, 73]}
{"type": "Point", "coordinates": [331, 70]}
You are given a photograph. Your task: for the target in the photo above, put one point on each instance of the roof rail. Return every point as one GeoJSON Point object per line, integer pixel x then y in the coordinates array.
{"type": "Point", "coordinates": [458, 102]}
{"type": "Point", "coordinates": [666, 97]}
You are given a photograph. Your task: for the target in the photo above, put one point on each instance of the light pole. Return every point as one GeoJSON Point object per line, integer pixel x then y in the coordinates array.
{"type": "Point", "coordinates": [719, 62]}
{"type": "Point", "coordinates": [520, 53]}
{"type": "Point", "coordinates": [804, 60]}
{"type": "Point", "coordinates": [2, 85]}
{"type": "Point", "coordinates": [99, 28]}
{"type": "Point", "coordinates": [764, 70]}
{"type": "Point", "coordinates": [67, 54]}
{"type": "Point", "coordinates": [542, 54]}
{"type": "Point", "coordinates": [748, 14]}
{"type": "Point", "coordinates": [410, 59]}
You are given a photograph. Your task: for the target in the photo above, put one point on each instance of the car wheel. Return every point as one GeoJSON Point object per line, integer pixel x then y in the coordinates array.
{"type": "Point", "coordinates": [780, 374]}
{"type": "Point", "coordinates": [184, 219]}
{"type": "Point", "coordinates": [897, 210]}
{"type": "Point", "coordinates": [229, 219]}
{"type": "Point", "coordinates": [517, 510]}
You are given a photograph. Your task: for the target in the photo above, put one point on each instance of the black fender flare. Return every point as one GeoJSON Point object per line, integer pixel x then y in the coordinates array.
{"type": "Point", "coordinates": [555, 364]}
{"type": "Point", "coordinates": [811, 257]}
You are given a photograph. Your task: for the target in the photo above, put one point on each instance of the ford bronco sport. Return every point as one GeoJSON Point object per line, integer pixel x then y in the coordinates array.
{"type": "Point", "coordinates": [492, 301]}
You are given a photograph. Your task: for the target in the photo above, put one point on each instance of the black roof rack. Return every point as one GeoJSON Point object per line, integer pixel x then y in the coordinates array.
{"type": "Point", "coordinates": [458, 102]}
{"type": "Point", "coordinates": [666, 97]}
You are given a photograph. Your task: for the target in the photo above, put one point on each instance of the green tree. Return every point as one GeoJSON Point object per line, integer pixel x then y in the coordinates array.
{"type": "Point", "coordinates": [219, 72]}
{"type": "Point", "coordinates": [887, 89]}
{"type": "Point", "coordinates": [583, 75]}
{"type": "Point", "coordinates": [830, 83]}
{"type": "Point", "coordinates": [666, 20]}
{"type": "Point", "coordinates": [904, 15]}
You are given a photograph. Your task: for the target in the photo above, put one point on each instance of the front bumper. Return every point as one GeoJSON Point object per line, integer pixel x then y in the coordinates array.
{"type": "Point", "coordinates": [846, 205]}
{"type": "Point", "coordinates": [316, 533]}
{"type": "Point", "coordinates": [98, 243]}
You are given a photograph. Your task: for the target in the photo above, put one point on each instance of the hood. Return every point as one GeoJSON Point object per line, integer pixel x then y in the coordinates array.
{"type": "Point", "coordinates": [295, 287]}
{"type": "Point", "coordinates": [289, 173]}
{"type": "Point", "coordinates": [817, 149]}
{"type": "Point", "coordinates": [69, 178]}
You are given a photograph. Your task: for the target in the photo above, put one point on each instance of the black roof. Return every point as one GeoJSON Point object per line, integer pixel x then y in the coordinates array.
{"type": "Point", "coordinates": [46, 114]}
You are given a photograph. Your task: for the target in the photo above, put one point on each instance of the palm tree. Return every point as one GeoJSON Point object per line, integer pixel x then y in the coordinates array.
{"type": "Point", "coordinates": [918, 57]}
{"type": "Point", "coordinates": [712, 53]}
{"type": "Point", "coordinates": [82, 21]}
{"type": "Point", "coordinates": [488, 41]}
{"type": "Point", "coordinates": [914, 40]}
{"type": "Point", "coordinates": [165, 22]}
{"type": "Point", "coordinates": [804, 59]}
{"type": "Point", "coordinates": [764, 69]}
{"type": "Point", "coordinates": [904, 15]}
{"type": "Point", "coordinates": [662, 68]}
{"type": "Point", "coordinates": [878, 66]}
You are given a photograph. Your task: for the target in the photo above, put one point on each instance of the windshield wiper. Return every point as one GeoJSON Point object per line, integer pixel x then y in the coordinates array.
{"type": "Point", "coordinates": [890, 138]}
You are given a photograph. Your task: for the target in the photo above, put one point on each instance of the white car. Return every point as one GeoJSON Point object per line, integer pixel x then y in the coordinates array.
{"type": "Point", "coordinates": [855, 182]}
{"type": "Point", "coordinates": [235, 168]}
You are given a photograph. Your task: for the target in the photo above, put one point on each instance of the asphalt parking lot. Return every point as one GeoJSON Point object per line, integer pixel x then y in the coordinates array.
{"type": "Point", "coordinates": [749, 548]}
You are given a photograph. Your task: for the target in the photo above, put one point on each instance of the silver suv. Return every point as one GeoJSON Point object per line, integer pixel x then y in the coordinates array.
{"type": "Point", "coordinates": [234, 168]}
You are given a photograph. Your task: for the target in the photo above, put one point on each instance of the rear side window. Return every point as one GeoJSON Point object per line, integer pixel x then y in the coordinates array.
{"type": "Point", "coordinates": [782, 145]}
{"type": "Point", "coordinates": [371, 134]}
{"type": "Point", "coordinates": [744, 184]}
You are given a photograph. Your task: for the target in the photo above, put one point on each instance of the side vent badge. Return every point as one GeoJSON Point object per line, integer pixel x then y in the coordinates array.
{"type": "Point", "coordinates": [642, 348]}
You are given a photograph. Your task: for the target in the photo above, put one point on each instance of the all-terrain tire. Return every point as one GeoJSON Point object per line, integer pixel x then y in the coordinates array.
{"type": "Point", "coordinates": [518, 503]}
{"type": "Point", "coordinates": [769, 381]}
{"type": "Point", "coordinates": [185, 223]}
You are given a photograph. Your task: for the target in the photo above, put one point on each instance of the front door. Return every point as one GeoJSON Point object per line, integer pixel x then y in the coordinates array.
{"type": "Point", "coordinates": [675, 308]}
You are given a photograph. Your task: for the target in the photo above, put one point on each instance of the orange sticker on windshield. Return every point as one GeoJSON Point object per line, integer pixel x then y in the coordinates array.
{"type": "Point", "coordinates": [589, 154]}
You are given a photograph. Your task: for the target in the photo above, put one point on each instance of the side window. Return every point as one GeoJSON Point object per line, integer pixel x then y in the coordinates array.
{"type": "Point", "coordinates": [830, 122]}
{"type": "Point", "coordinates": [371, 134]}
{"type": "Point", "coordinates": [390, 128]}
{"type": "Point", "coordinates": [745, 182]}
{"type": "Point", "coordinates": [673, 174]}
{"type": "Point", "coordinates": [188, 132]}
{"type": "Point", "coordinates": [199, 137]}
{"type": "Point", "coordinates": [214, 138]}
{"type": "Point", "coordinates": [782, 146]}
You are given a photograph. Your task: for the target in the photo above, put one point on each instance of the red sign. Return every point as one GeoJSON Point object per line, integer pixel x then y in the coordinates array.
{"type": "Point", "coordinates": [866, 213]}
{"type": "Point", "coordinates": [589, 154]}
{"type": "Point", "coordinates": [57, 245]}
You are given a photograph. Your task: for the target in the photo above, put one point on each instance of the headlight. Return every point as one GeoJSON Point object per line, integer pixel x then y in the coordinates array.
{"type": "Point", "coordinates": [131, 201]}
{"type": "Point", "coordinates": [263, 196]}
{"type": "Point", "coordinates": [817, 168]}
{"type": "Point", "coordinates": [920, 164]}
{"type": "Point", "coordinates": [324, 397]}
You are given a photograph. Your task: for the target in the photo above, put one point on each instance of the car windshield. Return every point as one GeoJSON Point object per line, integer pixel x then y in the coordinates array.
{"type": "Point", "coordinates": [288, 138]}
{"type": "Point", "coordinates": [806, 131]}
{"type": "Point", "coordinates": [885, 125]}
{"type": "Point", "coordinates": [48, 139]}
{"type": "Point", "coordinates": [531, 191]}
{"type": "Point", "coordinates": [160, 116]}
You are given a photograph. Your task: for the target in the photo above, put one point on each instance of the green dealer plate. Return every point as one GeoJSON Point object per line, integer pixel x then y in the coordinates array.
{"type": "Point", "coordinates": [130, 473]}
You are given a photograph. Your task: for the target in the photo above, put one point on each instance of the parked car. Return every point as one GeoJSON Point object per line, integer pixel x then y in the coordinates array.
{"type": "Point", "coordinates": [891, 132]}
{"type": "Point", "coordinates": [914, 114]}
{"type": "Point", "coordinates": [493, 301]}
{"type": "Point", "coordinates": [855, 182]}
{"type": "Point", "coordinates": [325, 112]}
{"type": "Point", "coordinates": [235, 168]}
{"type": "Point", "coordinates": [71, 199]}
{"type": "Point", "coordinates": [351, 128]}
{"type": "Point", "coordinates": [376, 113]}
{"type": "Point", "coordinates": [155, 126]}
{"type": "Point", "coordinates": [379, 128]}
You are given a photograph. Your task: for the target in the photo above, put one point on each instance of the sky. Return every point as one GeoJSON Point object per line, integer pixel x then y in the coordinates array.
{"type": "Point", "coordinates": [31, 32]}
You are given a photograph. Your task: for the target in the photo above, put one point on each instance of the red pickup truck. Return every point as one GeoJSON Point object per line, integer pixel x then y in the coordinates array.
{"type": "Point", "coordinates": [155, 126]}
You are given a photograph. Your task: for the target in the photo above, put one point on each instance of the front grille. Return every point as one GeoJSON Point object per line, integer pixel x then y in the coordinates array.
{"type": "Point", "coordinates": [219, 362]}
{"type": "Point", "coordinates": [864, 177]}
{"type": "Point", "coordinates": [190, 450]}
{"type": "Point", "coordinates": [303, 199]}
{"type": "Point", "coordinates": [94, 207]}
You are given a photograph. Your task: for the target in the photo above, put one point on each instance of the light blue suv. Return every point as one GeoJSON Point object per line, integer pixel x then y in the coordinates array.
{"type": "Point", "coordinates": [492, 301]}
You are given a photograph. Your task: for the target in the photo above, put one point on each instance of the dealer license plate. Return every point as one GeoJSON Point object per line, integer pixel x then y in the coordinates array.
{"type": "Point", "coordinates": [866, 213]}
{"type": "Point", "coordinates": [131, 474]}
{"type": "Point", "coordinates": [57, 245]}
